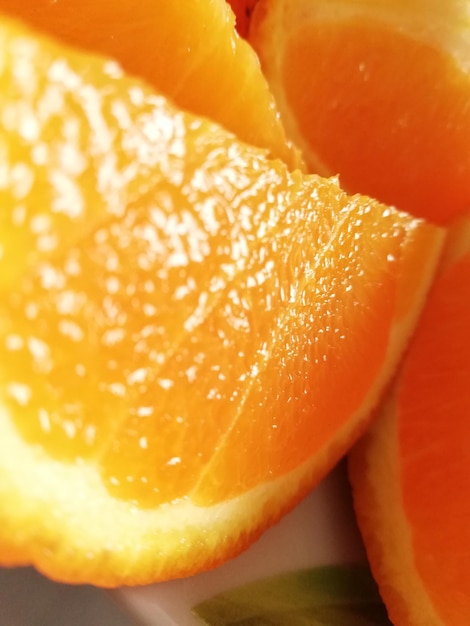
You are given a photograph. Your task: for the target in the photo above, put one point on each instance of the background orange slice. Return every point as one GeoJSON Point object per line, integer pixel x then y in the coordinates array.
{"type": "Point", "coordinates": [411, 473]}
{"type": "Point", "coordinates": [202, 345]}
{"type": "Point", "coordinates": [189, 51]}
{"type": "Point", "coordinates": [376, 92]}
{"type": "Point", "coordinates": [243, 10]}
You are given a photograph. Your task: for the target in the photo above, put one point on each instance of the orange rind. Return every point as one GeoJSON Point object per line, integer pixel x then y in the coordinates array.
{"type": "Point", "coordinates": [202, 340]}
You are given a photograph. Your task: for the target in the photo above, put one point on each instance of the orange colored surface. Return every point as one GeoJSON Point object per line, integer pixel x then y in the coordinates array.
{"type": "Point", "coordinates": [381, 102]}
{"type": "Point", "coordinates": [242, 10]}
{"type": "Point", "coordinates": [433, 433]}
{"type": "Point", "coordinates": [182, 321]}
{"type": "Point", "coordinates": [301, 372]}
{"type": "Point", "coordinates": [166, 365]}
{"type": "Point", "coordinates": [189, 51]}
{"type": "Point", "coordinates": [411, 472]}
{"type": "Point", "coordinates": [386, 112]}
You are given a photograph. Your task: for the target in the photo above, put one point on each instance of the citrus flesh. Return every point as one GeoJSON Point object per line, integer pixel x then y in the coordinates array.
{"type": "Point", "coordinates": [376, 92]}
{"type": "Point", "coordinates": [411, 472]}
{"type": "Point", "coordinates": [201, 339]}
{"type": "Point", "coordinates": [243, 10]}
{"type": "Point", "coordinates": [189, 51]}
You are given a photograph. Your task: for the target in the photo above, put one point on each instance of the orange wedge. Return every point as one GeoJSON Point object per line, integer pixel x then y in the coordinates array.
{"type": "Point", "coordinates": [189, 51]}
{"type": "Point", "coordinates": [190, 335]}
{"type": "Point", "coordinates": [376, 92]}
{"type": "Point", "coordinates": [411, 473]}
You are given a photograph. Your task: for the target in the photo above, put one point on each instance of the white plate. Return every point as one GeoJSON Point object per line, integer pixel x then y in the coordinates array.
{"type": "Point", "coordinates": [320, 531]}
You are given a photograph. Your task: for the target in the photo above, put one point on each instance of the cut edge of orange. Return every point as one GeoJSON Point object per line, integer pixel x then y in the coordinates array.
{"type": "Point", "coordinates": [274, 26]}
{"type": "Point", "coordinates": [383, 524]}
{"type": "Point", "coordinates": [374, 470]}
{"type": "Point", "coordinates": [272, 20]}
{"type": "Point", "coordinates": [240, 98]}
{"type": "Point", "coordinates": [116, 543]}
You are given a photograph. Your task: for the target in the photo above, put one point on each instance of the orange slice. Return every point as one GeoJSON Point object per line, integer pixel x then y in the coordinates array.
{"type": "Point", "coordinates": [202, 340]}
{"type": "Point", "coordinates": [411, 474]}
{"type": "Point", "coordinates": [189, 51]}
{"type": "Point", "coordinates": [376, 92]}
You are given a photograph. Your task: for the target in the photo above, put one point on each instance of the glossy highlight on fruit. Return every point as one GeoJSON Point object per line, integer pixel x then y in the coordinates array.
{"type": "Point", "coordinates": [185, 326]}
{"type": "Point", "coordinates": [188, 51]}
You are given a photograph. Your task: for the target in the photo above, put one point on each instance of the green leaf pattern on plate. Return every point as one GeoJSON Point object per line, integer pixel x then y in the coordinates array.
{"type": "Point", "coordinates": [344, 595]}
